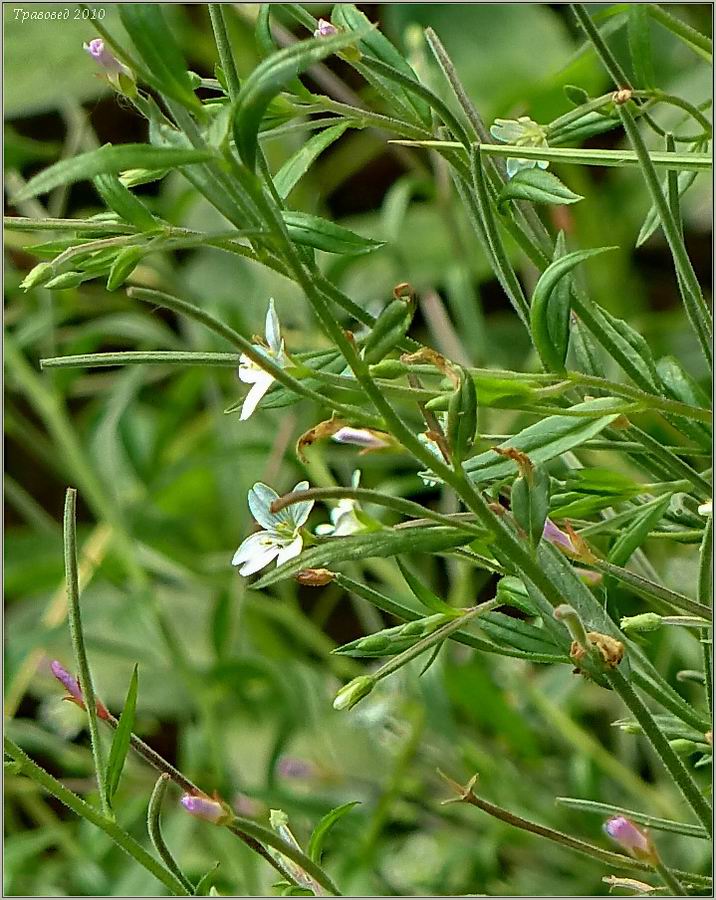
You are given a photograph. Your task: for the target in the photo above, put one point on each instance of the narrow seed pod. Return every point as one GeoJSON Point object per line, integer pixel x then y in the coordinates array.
{"type": "Point", "coordinates": [530, 502]}
{"type": "Point", "coordinates": [123, 266]}
{"type": "Point", "coordinates": [462, 418]}
{"type": "Point", "coordinates": [391, 326]}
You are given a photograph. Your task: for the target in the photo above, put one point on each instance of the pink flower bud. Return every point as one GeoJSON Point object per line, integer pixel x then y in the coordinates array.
{"type": "Point", "coordinates": [204, 808]}
{"type": "Point", "coordinates": [68, 682]}
{"type": "Point", "coordinates": [635, 841]}
{"type": "Point", "coordinates": [109, 62]}
{"type": "Point", "coordinates": [325, 29]}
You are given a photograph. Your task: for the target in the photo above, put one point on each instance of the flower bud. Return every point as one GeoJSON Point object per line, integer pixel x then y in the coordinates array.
{"type": "Point", "coordinates": [353, 692]}
{"type": "Point", "coordinates": [124, 264]}
{"type": "Point", "coordinates": [205, 808]}
{"type": "Point", "coordinates": [642, 623]}
{"type": "Point", "coordinates": [69, 682]}
{"type": "Point", "coordinates": [40, 275]}
{"type": "Point", "coordinates": [683, 747]}
{"type": "Point", "coordinates": [388, 368]}
{"type": "Point", "coordinates": [362, 437]}
{"type": "Point", "coordinates": [631, 838]}
{"type": "Point", "coordinates": [100, 53]}
{"type": "Point", "coordinates": [65, 281]}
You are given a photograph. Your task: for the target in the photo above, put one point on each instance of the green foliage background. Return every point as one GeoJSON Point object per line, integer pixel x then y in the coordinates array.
{"type": "Point", "coordinates": [163, 476]}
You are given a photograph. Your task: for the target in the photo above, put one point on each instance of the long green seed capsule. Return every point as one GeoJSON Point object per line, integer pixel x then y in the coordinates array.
{"type": "Point", "coordinates": [390, 328]}
{"type": "Point", "coordinates": [462, 418]}
{"type": "Point", "coordinates": [65, 281]}
{"type": "Point", "coordinates": [123, 266]}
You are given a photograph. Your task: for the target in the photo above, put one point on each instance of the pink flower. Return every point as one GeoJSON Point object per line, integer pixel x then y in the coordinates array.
{"type": "Point", "coordinates": [361, 437]}
{"type": "Point", "coordinates": [109, 62]}
{"type": "Point", "coordinates": [204, 808]}
{"type": "Point", "coordinates": [557, 537]}
{"type": "Point", "coordinates": [325, 29]}
{"type": "Point", "coordinates": [631, 838]}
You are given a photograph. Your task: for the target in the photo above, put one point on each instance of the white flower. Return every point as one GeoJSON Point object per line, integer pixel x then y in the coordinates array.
{"type": "Point", "coordinates": [705, 509]}
{"type": "Point", "coordinates": [522, 132]}
{"type": "Point", "coordinates": [281, 538]}
{"type": "Point", "coordinates": [253, 374]}
{"type": "Point", "coordinates": [344, 517]}
{"type": "Point", "coordinates": [361, 437]}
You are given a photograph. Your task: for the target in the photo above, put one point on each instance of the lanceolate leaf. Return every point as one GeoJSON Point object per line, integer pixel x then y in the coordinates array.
{"type": "Point", "coordinates": [269, 78]}
{"type": "Point", "coordinates": [166, 68]}
{"type": "Point", "coordinates": [541, 303]}
{"type": "Point", "coordinates": [634, 536]}
{"type": "Point", "coordinates": [322, 234]}
{"type": "Point", "coordinates": [122, 736]}
{"type": "Point", "coordinates": [108, 159]}
{"type": "Point", "coordinates": [545, 440]}
{"type": "Point", "coordinates": [296, 167]}
{"type": "Point", "coordinates": [537, 186]}
{"type": "Point", "coordinates": [124, 203]}
{"type": "Point", "coordinates": [390, 542]}
{"type": "Point", "coordinates": [315, 844]}
{"type": "Point", "coordinates": [430, 600]}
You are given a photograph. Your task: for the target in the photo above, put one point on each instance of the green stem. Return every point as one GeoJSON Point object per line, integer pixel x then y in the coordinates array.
{"type": "Point", "coordinates": [240, 825]}
{"type": "Point", "coordinates": [690, 35]}
{"type": "Point", "coordinates": [78, 643]}
{"type": "Point", "coordinates": [155, 832]}
{"type": "Point", "coordinates": [705, 595]}
{"type": "Point", "coordinates": [432, 640]}
{"type": "Point", "coordinates": [85, 811]}
{"type": "Point", "coordinates": [616, 860]}
{"type": "Point", "coordinates": [223, 45]}
{"type": "Point", "coordinates": [658, 741]}
{"type": "Point", "coordinates": [141, 357]}
{"type": "Point", "coordinates": [694, 303]}
{"type": "Point", "coordinates": [669, 879]}
{"type": "Point", "coordinates": [406, 507]}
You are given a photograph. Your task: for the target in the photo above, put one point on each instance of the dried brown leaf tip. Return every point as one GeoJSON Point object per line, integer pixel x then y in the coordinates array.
{"type": "Point", "coordinates": [315, 577]}
{"type": "Point", "coordinates": [521, 460]}
{"type": "Point", "coordinates": [318, 432]}
{"type": "Point", "coordinates": [430, 357]}
{"type": "Point", "coordinates": [610, 649]}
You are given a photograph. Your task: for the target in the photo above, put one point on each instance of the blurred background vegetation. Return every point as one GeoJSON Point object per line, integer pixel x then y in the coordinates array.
{"type": "Point", "coordinates": [239, 693]}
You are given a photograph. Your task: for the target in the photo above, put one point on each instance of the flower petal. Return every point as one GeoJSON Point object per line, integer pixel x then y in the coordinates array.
{"type": "Point", "coordinates": [273, 329]}
{"type": "Point", "coordinates": [301, 511]}
{"type": "Point", "coordinates": [252, 399]}
{"type": "Point", "coordinates": [290, 550]}
{"type": "Point", "coordinates": [507, 130]}
{"type": "Point", "coordinates": [260, 561]}
{"type": "Point", "coordinates": [255, 543]}
{"type": "Point", "coordinates": [261, 496]}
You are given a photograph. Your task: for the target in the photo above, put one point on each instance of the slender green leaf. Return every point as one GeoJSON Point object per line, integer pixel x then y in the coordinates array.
{"type": "Point", "coordinates": [320, 832]}
{"type": "Point", "coordinates": [543, 314]}
{"type": "Point", "coordinates": [322, 234]}
{"type": "Point", "coordinates": [695, 162]}
{"type": "Point", "coordinates": [124, 203]}
{"type": "Point", "coordinates": [544, 440]}
{"type": "Point", "coordinates": [389, 542]}
{"type": "Point", "coordinates": [296, 167]}
{"type": "Point", "coordinates": [429, 600]}
{"type": "Point", "coordinates": [166, 67]}
{"type": "Point", "coordinates": [107, 160]}
{"type": "Point", "coordinates": [122, 737]}
{"type": "Point", "coordinates": [608, 809]}
{"type": "Point", "coordinates": [269, 78]}
{"type": "Point", "coordinates": [537, 186]}
{"type": "Point", "coordinates": [640, 45]}
{"type": "Point", "coordinates": [633, 537]}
